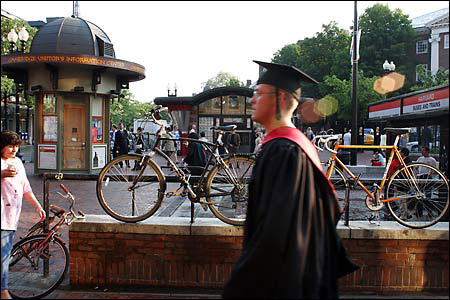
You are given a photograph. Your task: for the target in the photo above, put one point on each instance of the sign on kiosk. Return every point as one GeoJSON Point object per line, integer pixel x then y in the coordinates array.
{"type": "Point", "coordinates": [426, 102]}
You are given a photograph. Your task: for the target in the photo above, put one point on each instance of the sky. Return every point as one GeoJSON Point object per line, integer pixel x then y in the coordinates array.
{"type": "Point", "coordinates": [188, 42]}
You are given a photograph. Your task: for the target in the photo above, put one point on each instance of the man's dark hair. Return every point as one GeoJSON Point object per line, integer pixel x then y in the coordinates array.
{"type": "Point", "coordinates": [202, 134]}
{"type": "Point", "coordinates": [426, 148]}
{"type": "Point", "coordinates": [114, 126]}
{"type": "Point", "coordinates": [10, 138]}
{"type": "Point", "coordinates": [404, 151]}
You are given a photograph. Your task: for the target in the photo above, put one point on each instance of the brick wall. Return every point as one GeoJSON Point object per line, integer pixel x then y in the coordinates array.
{"type": "Point", "coordinates": [185, 259]}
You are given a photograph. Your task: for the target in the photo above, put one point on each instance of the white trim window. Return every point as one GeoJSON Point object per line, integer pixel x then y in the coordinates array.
{"type": "Point", "coordinates": [422, 47]}
{"type": "Point", "coordinates": [417, 71]}
{"type": "Point", "coordinates": [446, 41]}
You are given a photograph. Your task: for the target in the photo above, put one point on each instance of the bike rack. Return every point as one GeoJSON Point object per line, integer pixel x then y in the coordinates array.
{"type": "Point", "coordinates": [93, 177]}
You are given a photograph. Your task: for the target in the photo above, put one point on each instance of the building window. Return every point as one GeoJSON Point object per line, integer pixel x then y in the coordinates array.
{"type": "Point", "coordinates": [97, 120]}
{"type": "Point", "coordinates": [446, 41]}
{"type": "Point", "coordinates": [49, 119]}
{"type": "Point", "coordinates": [418, 67]}
{"type": "Point", "coordinates": [233, 105]}
{"type": "Point", "coordinates": [422, 47]}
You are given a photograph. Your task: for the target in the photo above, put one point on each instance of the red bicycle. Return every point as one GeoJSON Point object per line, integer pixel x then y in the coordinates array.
{"type": "Point", "coordinates": [39, 261]}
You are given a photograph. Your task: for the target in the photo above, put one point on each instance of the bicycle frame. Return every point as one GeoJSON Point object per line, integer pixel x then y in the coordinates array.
{"type": "Point", "coordinates": [393, 153]}
{"type": "Point", "coordinates": [211, 148]}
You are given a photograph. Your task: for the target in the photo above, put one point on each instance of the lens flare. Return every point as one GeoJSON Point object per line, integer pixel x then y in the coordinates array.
{"type": "Point", "coordinates": [389, 83]}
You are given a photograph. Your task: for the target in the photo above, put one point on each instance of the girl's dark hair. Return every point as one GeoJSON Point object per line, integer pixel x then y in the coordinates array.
{"type": "Point", "coordinates": [10, 138]}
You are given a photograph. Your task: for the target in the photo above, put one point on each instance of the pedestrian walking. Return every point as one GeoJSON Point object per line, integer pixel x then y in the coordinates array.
{"type": "Point", "coordinates": [196, 157]}
{"type": "Point", "coordinates": [168, 146]}
{"type": "Point", "coordinates": [121, 143]}
{"type": "Point", "coordinates": [15, 187]}
{"type": "Point", "coordinates": [233, 142]}
{"type": "Point", "coordinates": [291, 248]}
{"type": "Point", "coordinates": [310, 133]}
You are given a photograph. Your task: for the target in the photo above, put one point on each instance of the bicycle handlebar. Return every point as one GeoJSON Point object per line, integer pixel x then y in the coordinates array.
{"type": "Point", "coordinates": [320, 140]}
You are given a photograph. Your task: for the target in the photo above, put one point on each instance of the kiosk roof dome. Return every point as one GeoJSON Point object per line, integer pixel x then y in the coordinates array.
{"type": "Point", "coordinates": [72, 35]}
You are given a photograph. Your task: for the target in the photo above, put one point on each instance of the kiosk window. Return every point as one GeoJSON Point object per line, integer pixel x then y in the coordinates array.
{"type": "Point", "coordinates": [49, 119]}
{"type": "Point", "coordinates": [97, 120]}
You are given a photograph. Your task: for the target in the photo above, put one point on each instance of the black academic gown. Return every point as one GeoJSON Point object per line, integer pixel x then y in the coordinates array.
{"type": "Point", "coordinates": [291, 248]}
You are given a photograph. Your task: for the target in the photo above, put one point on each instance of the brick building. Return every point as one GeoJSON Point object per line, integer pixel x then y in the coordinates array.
{"type": "Point", "coordinates": [431, 48]}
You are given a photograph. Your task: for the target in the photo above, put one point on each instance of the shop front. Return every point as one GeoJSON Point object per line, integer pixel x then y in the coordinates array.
{"type": "Point", "coordinates": [426, 112]}
{"type": "Point", "coordinates": [215, 107]}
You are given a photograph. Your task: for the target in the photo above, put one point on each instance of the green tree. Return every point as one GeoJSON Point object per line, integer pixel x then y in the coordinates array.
{"type": "Point", "coordinates": [126, 109]}
{"type": "Point", "coordinates": [341, 90]}
{"type": "Point", "coordinates": [8, 24]}
{"type": "Point", "coordinates": [386, 35]}
{"type": "Point", "coordinates": [221, 80]}
{"type": "Point", "coordinates": [427, 80]}
{"type": "Point", "coordinates": [324, 54]}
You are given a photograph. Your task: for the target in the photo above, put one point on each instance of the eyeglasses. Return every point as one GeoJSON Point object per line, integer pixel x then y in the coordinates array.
{"type": "Point", "coordinates": [256, 93]}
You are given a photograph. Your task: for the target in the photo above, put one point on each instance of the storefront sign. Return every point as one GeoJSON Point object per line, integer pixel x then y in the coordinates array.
{"type": "Point", "coordinates": [47, 157]}
{"type": "Point", "coordinates": [74, 59]}
{"type": "Point", "coordinates": [388, 109]}
{"type": "Point", "coordinates": [426, 102]}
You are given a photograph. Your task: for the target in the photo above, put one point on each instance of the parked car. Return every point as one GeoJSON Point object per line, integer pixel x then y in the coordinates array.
{"type": "Point", "coordinates": [368, 136]}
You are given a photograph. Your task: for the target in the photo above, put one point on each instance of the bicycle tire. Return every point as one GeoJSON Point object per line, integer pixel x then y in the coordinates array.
{"type": "Point", "coordinates": [341, 187]}
{"type": "Point", "coordinates": [231, 210]}
{"type": "Point", "coordinates": [431, 200]}
{"type": "Point", "coordinates": [28, 282]}
{"type": "Point", "coordinates": [126, 205]}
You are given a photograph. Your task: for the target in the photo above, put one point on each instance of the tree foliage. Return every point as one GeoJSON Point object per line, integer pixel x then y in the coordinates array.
{"type": "Point", "coordinates": [221, 80]}
{"type": "Point", "coordinates": [7, 24]}
{"type": "Point", "coordinates": [386, 35]}
{"type": "Point", "coordinates": [341, 90]}
{"type": "Point", "coordinates": [427, 80]}
{"type": "Point", "coordinates": [126, 109]}
{"type": "Point", "coordinates": [324, 54]}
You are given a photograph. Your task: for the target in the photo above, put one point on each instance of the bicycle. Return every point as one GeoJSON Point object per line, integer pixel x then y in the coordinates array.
{"type": "Point", "coordinates": [39, 262]}
{"type": "Point", "coordinates": [415, 200]}
{"type": "Point", "coordinates": [124, 192]}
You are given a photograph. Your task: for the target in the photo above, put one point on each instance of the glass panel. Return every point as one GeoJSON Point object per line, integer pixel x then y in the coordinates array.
{"type": "Point", "coordinates": [97, 107]}
{"type": "Point", "coordinates": [50, 129]}
{"type": "Point", "coordinates": [97, 129]}
{"type": "Point", "coordinates": [233, 105]}
{"type": "Point", "coordinates": [249, 110]}
{"type": "Point", "coordinates": [205, 124]}
{"type": "Point", "coordinates": [49, 104]}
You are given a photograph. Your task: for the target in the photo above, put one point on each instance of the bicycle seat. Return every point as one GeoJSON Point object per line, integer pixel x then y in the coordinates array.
{"type": "Point", "coordinates": [398, 130]}
{"type": "Point", "coordinates": [224, 128]}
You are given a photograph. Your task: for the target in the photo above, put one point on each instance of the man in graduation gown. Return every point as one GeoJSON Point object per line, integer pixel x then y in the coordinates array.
{"type": "Point", "coordinates": [291, 248]}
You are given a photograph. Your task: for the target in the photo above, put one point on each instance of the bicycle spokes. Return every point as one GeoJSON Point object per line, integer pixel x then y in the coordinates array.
{"type": "Point", "coordinates": [418, 200]}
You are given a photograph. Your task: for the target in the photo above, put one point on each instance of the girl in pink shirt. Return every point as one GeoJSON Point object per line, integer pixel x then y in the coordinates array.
{"type": "Point", "coordinates": [15, 186]}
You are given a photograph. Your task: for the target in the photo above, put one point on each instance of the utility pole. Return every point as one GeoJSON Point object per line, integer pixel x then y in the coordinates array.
{"type": "Point", "coordinates": [353, 159]}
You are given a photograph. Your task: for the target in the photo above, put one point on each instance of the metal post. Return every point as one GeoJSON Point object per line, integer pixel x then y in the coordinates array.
{"type": "Point", "coordinates": [353, 160]}
{"type": "Point", "coordinates": [27, 129]}
{"type": "Point", "coordinates": [17, 109]}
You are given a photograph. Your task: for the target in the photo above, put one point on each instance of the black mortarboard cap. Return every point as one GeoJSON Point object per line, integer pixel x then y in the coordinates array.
{"type": "Point", "coordinates": [283, 76]}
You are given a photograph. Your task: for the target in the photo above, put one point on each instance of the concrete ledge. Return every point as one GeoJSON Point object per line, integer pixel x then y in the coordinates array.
{"type": "Point", "coordinates": [215, 227]}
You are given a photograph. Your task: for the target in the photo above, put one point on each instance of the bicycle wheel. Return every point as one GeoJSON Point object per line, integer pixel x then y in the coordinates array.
{"type": "Point", "coordinates": [116, 196]}
{"type": "Point", "coordinates": [227, 189]}
{"type": "Point", "coordinates": [28, 278]}
{"type": "Point", "coordinates": [421, 199]}
{"type": "Point", "coordinates": [341, 186]}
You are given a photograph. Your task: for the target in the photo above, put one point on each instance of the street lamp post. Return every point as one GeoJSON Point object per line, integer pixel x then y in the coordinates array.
{"type": "Point", "coordinates": [354, 136]}
{"type": "Point", "coordinates": [23, 37]}
{"type": "Point", "coordinates": [388, 67]}
{"type": "Point", "coordinates": [12, 39]}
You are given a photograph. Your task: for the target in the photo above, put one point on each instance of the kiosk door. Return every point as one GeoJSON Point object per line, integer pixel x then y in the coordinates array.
{"type": "Point", "coordinates": [74, 137]}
